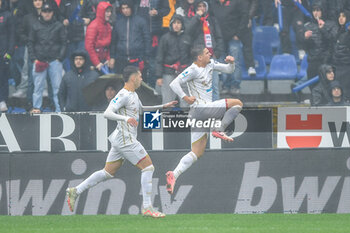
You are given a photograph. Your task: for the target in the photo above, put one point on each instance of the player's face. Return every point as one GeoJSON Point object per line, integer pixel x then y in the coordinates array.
{"type": "Point", "coordinates": [205, 56]}
{"type": "Point", "coordinates": [177, 25]}
{"type": "Point", "coordinates": [137, 79]}
{"type": "Point", "coordinates": [342, 19]}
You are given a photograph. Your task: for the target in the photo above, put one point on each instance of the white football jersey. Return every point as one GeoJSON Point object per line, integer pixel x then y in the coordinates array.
{"type": "Point", "coordinates": [125, 103]}
{"type": "Point", "coordinates": [199, 80]}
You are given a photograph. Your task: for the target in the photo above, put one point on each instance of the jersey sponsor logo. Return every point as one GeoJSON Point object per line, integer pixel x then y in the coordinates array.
{"type": "Point", "coordinates": [184, 74]}
{"type": "Point", "coordinates": [115, 100]}
{"type": "Point", "coordinates": [152, 120]}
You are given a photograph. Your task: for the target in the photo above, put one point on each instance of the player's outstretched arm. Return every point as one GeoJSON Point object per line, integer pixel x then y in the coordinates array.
{"type": "Point", "coordinates": [226, 68]}
{"type": "Point", "coordinates": [156, 107]}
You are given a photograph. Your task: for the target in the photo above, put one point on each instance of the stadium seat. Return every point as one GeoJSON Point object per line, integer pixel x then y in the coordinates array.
{"type": "Point", "coordinates": [283, 67]}
{"type": "Point", "coordinates": [303, 68]}
{"type": "Point", "coordinates": [267, 34]}
{"type": "Point", "coordinates": [264, 49]}
{"type": "Point", "coordinates": [260, 68]}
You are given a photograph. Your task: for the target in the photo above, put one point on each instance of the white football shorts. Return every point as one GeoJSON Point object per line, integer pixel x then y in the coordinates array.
{"type": "Point", "coordinates": [133, 152]}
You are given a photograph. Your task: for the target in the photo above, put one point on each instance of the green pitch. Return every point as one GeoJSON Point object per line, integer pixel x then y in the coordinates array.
{"type": "Point", "coordinates": [182, 223]}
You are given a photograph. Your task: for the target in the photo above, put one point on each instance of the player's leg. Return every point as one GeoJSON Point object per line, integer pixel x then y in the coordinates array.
{"type": "Point", "coordinates": [234, 107]}
{"type": "Point", "coordinates": [113, 163]}
{"type": "Point", "coordinates": [138, 156]}
{"type": "Point", "coordinates": [198, 148]}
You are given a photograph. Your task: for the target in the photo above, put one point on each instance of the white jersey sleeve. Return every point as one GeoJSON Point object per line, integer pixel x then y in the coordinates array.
{"type": "Point", "coordinates": [116, 103]}
{"type": "Point", "coordinates": [225, 68]}
{"type": "Point", "coordinates": [186, 76]}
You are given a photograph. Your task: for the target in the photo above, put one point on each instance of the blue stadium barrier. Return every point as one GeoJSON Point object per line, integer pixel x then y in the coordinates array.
{"type": "Point", "coordinates": [305, 84]}
{"type": "Point", "coordinates": [105, 69]}
{"type": "Point", "coordinates": [303, 68]}
{"type": "Point", "coordinates": [283, 67]}
{"type": "Point", "coordinates": [280, 16]}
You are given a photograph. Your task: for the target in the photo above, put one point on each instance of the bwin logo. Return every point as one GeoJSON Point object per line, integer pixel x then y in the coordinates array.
{"type": "Point", "coordinates": [151, 120]}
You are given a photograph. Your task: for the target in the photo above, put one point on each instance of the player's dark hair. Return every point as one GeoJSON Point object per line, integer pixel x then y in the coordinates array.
{"type": "Point", "coordinates": [196, 51]}
{"type": "Point", "coordinates": [128, 71]}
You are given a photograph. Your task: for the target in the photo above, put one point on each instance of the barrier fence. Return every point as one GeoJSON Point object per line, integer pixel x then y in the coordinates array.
{"type": "Point", "coordinates": [223, 181]}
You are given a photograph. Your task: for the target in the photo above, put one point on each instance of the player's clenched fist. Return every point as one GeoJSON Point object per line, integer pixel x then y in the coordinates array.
{"type": "Point", "coordinates": [230, 59]}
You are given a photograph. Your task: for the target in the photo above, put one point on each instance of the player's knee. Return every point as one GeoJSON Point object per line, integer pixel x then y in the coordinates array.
{"type": "Point", "coordinates": [234, 102]}
{"type": "Point", "coordinates": [149, 168]}
{"type": "Point", "coordinates": [108, 175]}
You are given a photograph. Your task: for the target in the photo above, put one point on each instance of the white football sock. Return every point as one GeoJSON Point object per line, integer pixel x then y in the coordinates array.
{"type": "Point", "coordinates": [93, 180]}
{"type": "Point", "coordinates": [185, 163]}
{"type": "Point", "coordinates": [146, 185]}
{"type": "Point", "coordinates": [229, 117]}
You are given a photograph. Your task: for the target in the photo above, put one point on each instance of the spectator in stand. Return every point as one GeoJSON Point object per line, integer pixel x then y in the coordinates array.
{"type": "Point", "coordinates": [318, 36]}
{"type": "Point", "coordinates": [341, 53]}
{"type": "Point", "coordinates": [46, 48]}
{"type": "Point", "coordinates": [336, 92]}
{"type": "Point", "coordinates": [110, 92]}
{"type": "Point", "coordinates": [233, 18]}
{"type": "Point", "coordinates": [17, 60]}
{"type": "Point", "coordinates": [71, 88]}
{"type": "Point", "coordinates": [172, 58]}
{"type": "Point", "coordinates": [292, 16]}
{"type": "Point", "coordinates": [24, 27]}
{"type": "Point", "coordinates": [333, 7]}
{"type": "Point", "coordinates": [77, 14]}
{"type": "Point", "coordinates": [167, 18]}
{"type": "Point", "coordinates": [152, 11]}
{"type": "Point", "coordinates": [7, 38]}
{"type": "Point", "coordinates": [131, 39]}
{"type": "Point", "coordinates": [186, 10]}
{"type": "Point", "coordinates": [320, 93]}
{"type": "Point", "coordinates": [267, 12]}
{"type": "Point", "coordinates": [204, 29]}
{"type": "Point", "coordinates": [98, 37]}
{"type": "Point", "coordinates": [115, 6]}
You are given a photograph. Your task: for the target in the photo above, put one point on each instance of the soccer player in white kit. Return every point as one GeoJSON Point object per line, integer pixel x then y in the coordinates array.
{"type": "Point", "coordinates": [198, 77]}
{"type": "Point", "coordinates": [124, 108]}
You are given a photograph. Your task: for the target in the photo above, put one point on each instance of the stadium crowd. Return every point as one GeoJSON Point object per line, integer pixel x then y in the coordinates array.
{"type": "Point", "coordinates": [55, 48]}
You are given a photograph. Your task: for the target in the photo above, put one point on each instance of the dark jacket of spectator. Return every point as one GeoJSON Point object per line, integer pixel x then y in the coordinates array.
{"type": "Point", "coordinates": [25, 25]}
{"type": "Point", "coordinates": [73, 82]}
{"type": "Point", "coordinates": [336, 100]}
{"type": "Point", "coordinates": [75, 29]}
{"type": "Point", "coordinates": [173, 47]}
{"type": "Point", "coordinates": [7, 31]}
{"type": "Point", "coordinates": [154, 22]}
{"type": "Point", "coordinates": [98, 36]}
{"type": "Point", "coordinates": [341, 54]}
{"type": "Point", "coordinates": [232, 15]}
{"type": "Point", "coordinates": [320, 93]}
{"type": "Point", "coordinates": [131, 38]}
{"type": "Point", "coordinates": [319, 46]}
{"type": "Point", "coordinates": [47, 40]}
{"type": "Point", "coordinates": [195, 30]}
